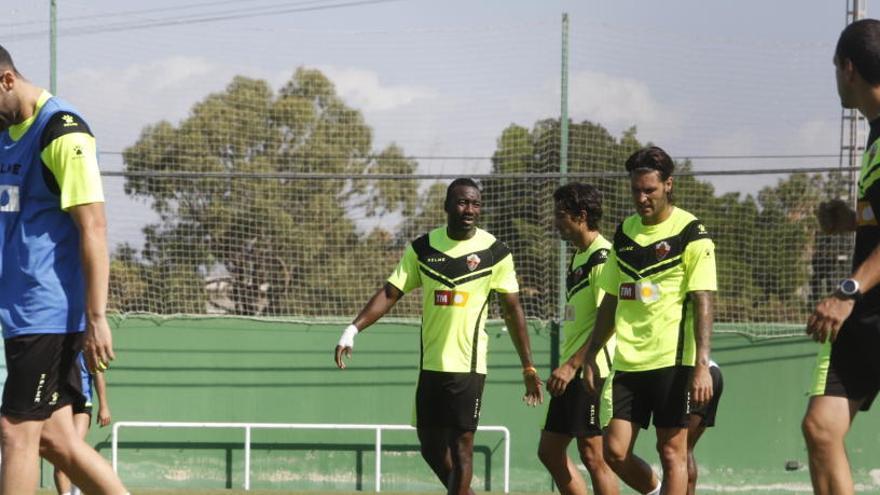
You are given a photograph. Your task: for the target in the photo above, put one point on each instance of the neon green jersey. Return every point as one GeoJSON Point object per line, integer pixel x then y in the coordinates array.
{"type": "Point", "coordinates": [456, 278]}
{"type": "Point", "coordinates": [651, 269]}
{"type": "Point", "coordinates": [583, 296]}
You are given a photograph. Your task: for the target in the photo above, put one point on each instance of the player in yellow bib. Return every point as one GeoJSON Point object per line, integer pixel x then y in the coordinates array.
{"type": "Point", "coordinates": [659, 281]}
{"type": "Point", "coordinates": [572, 412]}
{"type": "Point", "coordinates": [457, 266]}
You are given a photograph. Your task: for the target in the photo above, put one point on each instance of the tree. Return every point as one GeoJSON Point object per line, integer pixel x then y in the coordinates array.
{"type": "Point", "coordinates": [764, 245]}
{"type": "Point", "coordinates": [270, 244]}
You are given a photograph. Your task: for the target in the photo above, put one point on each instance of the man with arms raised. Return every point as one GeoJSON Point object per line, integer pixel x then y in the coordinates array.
{"type": "Point", "coordinates": [573, 413]}
{"type": "Point", "coordinates": [659, 281]}
{"type": "Point", "coordinates": [847, 323]}
{"type": "Point", "coordinates": [54, 273]}
{"type": "Point", "coordinates": [457, 266]}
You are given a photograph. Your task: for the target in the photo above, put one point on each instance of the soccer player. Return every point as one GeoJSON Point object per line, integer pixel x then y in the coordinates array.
{"type": "Point", "coordinates": [847, 323]}
{"type": "Point", "coordinates": [700, 419]}
{"type": "Point", "coordinates": [457, 266]}
{"type": "Point", "coordinates": [54, 273]}
{"type": "Point", "coordinates": [573, 413]}
{"type": "Point", "coordinates": [659, 280]}
{"type": "Point", "coordinates": [82, 416]}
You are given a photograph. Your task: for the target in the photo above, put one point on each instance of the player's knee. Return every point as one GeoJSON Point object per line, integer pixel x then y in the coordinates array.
{"type": "Point", "coordinates": [670, 455]}
{"type": "Point", "coordinates": [545, 455]}
{"type": "Point", "coordinates": [615, 455]}
{"type": "Point", "coordinates": [17, 440]}
{"type": "Point", "coordinates": [816, 432]}
{"type": "Point", "coordinates": [55, 449]}
{"type": "Point", "coordinates": [593, 459]}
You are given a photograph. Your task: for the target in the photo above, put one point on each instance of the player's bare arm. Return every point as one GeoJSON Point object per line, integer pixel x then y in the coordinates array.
{"type": "Point", "coordinates": [836, 217]}
{"type": "Point", "coordinates": [830, 313]}
{"type": "Point", "coordinates": [701, 384]}
{"type": "Point", "coordinates": [91, 222]}
{"type": "Point", "coordinates": [602, 331]}
{"type": "Point", "coordinates": [382, 301]}
{"type": "Point", "coordinates": [515, 319]}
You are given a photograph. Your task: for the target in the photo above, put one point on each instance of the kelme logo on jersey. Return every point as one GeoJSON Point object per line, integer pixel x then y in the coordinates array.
{"type": "Point", "coordinates": [450, 298]}
{"type": "Point", "coordinates": [9, 198]}
{"type": "Point", "coordinates": [69, 121]}
{"type": "Point", "coordinates": [473, 261]}
{"type": "Point", "coordinates": [662, 249]}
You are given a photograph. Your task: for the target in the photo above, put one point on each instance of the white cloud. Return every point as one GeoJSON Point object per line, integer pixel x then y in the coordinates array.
{"type": "Point", "coordinates": [617, 102]}
{"type": "Point", "coordinates": [363, 90]}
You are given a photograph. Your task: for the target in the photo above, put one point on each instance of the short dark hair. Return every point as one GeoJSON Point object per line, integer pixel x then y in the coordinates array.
{"type": "Point", "coordinates": [651, 158]}
{"type": "Point", "coordinates": [461, 181]}
{"type": "Point", "coordinates": [860, 43]}
{"type": "Point", "coordinates": [575, 197]}
{"type": "Point", "coordinates": [6, 60]}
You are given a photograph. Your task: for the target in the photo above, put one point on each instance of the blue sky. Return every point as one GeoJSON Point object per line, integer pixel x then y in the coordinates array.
{"type": "Point", "coordinates": [444, 78]}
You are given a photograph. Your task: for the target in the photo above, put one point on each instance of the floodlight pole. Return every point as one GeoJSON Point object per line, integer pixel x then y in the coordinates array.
{"type": "Point", "coordinates": [53, 38]}
{"type": "Point", "coordinates": [563, 169]}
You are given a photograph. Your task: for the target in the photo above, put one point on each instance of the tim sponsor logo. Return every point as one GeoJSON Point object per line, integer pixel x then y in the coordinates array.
{"type": "Point", "coordinates": [450, 298]}
{"type": "Point", "coordinates": [627, 292]}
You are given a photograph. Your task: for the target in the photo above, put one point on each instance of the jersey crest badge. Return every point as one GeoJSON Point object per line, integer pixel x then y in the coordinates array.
{"type": "Point", "coordinates": [662, 249]}
{"type": "Point", "coordinates": [473, 261]}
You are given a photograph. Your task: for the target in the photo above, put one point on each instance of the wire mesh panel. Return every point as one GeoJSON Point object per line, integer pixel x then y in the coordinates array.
{"type": "Point", "coordinates": [316, 246]}
{"type": "Point", "coordinates": [269, 168]}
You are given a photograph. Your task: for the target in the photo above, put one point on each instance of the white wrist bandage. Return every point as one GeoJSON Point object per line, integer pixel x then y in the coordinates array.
{"type": "Point", "coordinates": [347, 339]}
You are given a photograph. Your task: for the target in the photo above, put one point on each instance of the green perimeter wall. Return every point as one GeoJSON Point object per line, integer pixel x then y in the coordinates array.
{"type": "Point", "coordinates": [240, 370]}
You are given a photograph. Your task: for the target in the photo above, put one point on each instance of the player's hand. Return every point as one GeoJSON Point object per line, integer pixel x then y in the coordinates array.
{"type": "Point", "coordinates": [701, 386]}
{"type": "Point", "coordinates": [340, 353]}
{"type": "Point", "coordinates": [98, 345]}
{"type": "Point", "coordinates": [590, 380]}
{"type": "Point", "coordinates": [534, 394]}
{"type": "Point", "coordinates": [836, 217]}
{"type": "Point", "coordinates": [560, 378]}
{"type": "Point", "coordinates": [345, 345]}
{"type": "Point", "coordinates": [104, 417]}
{"type": "Point", "coordinates": [828, 317]}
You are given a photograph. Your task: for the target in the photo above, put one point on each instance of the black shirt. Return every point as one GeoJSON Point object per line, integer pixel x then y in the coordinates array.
{"type": "Point", "coordinates": [868, 230]}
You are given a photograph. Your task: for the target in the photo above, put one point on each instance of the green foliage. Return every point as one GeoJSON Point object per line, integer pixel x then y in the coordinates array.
{"type": "Point", "coordinates": [239, 236]}
{"type": "Point", "coordinates": [256, 237]}
{"type": "Point", "coordinates": [764, 245]}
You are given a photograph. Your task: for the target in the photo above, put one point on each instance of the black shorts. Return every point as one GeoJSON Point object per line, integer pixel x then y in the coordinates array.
{"type": "Point", "coordinates": [851, 368]}
{"type": "Point", "coordinates": [710, 409]}
{"type": "Point", "coordinates": [575, 413]}
{"type": "Point", "coordinates": [663, 393]}
{"type": "Point", "coordinates": [82, 407]}
{"type": "Point", "coordinates": [449, 400]}
{"type": "Point", "coordinates": [43, 374]}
